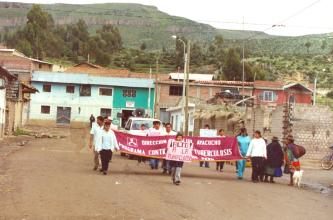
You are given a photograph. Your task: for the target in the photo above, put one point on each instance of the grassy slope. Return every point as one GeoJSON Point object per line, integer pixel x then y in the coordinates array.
{"type": "Point", "coordinates": [141, 23]}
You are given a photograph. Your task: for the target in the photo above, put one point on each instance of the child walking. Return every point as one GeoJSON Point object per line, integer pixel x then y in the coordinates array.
{"type": "Point", "coordinates": [176, 166]}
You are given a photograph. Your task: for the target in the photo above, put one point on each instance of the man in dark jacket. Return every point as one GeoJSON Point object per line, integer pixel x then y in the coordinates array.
{"type": "Point", "coordinates": [274, 159]}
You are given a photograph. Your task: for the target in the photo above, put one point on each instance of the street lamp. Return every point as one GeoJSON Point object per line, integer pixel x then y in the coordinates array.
{"type": "Point", "coordinates": [185, 67]}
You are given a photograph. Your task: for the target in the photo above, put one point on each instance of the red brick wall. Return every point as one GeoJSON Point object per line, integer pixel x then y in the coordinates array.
{"type": "Point", "coordinates": [204, 92]}
{"type": "Point", "coordinates": [301, 96]}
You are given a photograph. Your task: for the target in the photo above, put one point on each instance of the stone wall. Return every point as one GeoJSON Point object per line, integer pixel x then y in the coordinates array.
{"type": "Point", "coordinates": [312, 128]}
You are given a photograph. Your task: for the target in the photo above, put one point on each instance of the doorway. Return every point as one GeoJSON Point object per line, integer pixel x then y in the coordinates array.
{"type": "Point", "coordinates": [125, 114]}
{"type": "Point", "coordinates": [63, 115]}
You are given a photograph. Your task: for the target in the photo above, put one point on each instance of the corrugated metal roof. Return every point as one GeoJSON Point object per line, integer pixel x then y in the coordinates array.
{"type": "Point", "coordinates": [192, 76]}
{"type": "Point", "coordinates": [224, 82]}
{"type": "Point", "coordinates": [80, 78]}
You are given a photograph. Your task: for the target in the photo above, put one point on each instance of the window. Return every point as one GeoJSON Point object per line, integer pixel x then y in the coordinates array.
{"type": "Point", "coordinates": [105, 91]}
{"type": "Point", "coordinates": [129, 93]}
{"type": "Point", "coordinates": [70, 89]}
{"type": "Point", "coordinates": [105, 112]}
{"type": "Point", "coordinates": [176, 90]}
{"type": "Point", "coordinates": [85, 90]}
{"type": "Point", "coordinates": [45, 109]}
{"type": "Point", "coordinates": [268, 96]}
{"type": "Point", "coordinates": [46, 88]}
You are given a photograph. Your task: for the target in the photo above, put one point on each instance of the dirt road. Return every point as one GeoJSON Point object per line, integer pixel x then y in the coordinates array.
{"type": "Point", "coordinates": [53, 179]}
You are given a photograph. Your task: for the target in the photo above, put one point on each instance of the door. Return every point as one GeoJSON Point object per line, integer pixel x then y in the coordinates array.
{"type": "Point", "coordinates": [125, 114]}
{"type": "Point", "coordinates": [63, 115]}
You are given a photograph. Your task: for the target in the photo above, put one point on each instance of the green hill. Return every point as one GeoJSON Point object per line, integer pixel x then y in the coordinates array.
{"type": "Point", "coordinates": [140, 23]}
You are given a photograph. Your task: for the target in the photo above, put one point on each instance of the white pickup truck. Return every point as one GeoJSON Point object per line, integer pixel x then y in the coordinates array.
{"type": "Point", "coordinates": [133, 125]}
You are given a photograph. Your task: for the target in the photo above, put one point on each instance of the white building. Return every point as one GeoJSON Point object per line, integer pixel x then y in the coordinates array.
{"type": "Point", "coordinates": [177, 119]}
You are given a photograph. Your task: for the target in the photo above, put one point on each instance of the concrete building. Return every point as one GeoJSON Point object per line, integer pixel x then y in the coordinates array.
{"type": "Point", "coordinates": [5, 81]}
{"type": "Point", "coordinates": [70, 98]}
{"type": "Point", "coordinates": [18, 97]}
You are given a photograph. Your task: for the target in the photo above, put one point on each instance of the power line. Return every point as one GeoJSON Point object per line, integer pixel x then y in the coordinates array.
{"type": "Point", "coordinates": [129, 14]}
{"type": "Point", "coordinates": [293, 15]}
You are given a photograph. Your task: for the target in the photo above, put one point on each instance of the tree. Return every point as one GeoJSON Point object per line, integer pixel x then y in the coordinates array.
{"type": "Point", "coordinates": [39, 23]}
{"type": "Point", "coordinates": [112, 38]}
{"type": "Point", "coordinates": [143, 46]}
{"type": "Point", "coordinates": [323, 45]}
{"type": "Point", "coordinates": [308, 45]}
{"type": "Point", "coordinates": [233, 66]}
{"type": "Point", "coordinates": [102, 58]}
{"type": "Point", "coordinates": [196, 54]}
{"type": "Point", "coordinates": [179, 53]}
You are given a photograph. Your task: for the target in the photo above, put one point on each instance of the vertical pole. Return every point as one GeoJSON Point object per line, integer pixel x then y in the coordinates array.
{"type": "Point", "coordinates": [156, 110]}
{"type": "Point", "coordinates": [315, 90]}
{"type": "Point", "coordinates": [149, 94]}
{"type": "Point", "coordinates": [243, 75]}
{"type": "Point", "coordinates": [187, 86]}
{"type": "Point", "coordinates": [184, 90]}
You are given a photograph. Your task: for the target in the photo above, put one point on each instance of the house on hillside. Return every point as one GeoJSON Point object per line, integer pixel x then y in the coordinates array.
{"type": "Point", "coordinates": [279, 93]}
{"type": "Point", "coordinates": [70, 98]}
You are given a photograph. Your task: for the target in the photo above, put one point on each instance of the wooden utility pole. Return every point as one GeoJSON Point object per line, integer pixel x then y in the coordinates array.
{"type": "Point", "coordinates": [187, 86]}
{"type": "Point", "coordinates": [156, 106]}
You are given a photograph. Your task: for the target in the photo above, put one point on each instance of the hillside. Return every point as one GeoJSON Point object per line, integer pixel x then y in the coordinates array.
{"type": "Point", "coordinates": [141, 23]}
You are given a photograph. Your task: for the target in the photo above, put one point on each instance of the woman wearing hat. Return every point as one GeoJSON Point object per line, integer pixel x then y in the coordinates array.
{"type": "Point", "coordinates": [274, 159]}
{"type": "Point", "coordinates": [292, 163]}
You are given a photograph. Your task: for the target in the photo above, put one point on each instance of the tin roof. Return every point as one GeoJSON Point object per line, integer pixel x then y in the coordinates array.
{"type": "Point", "coordinates": [192, 76]}
{"type": "Point", "coordinates": [82, 78]}
{"type": "Point", "coordinates": [224, 82]}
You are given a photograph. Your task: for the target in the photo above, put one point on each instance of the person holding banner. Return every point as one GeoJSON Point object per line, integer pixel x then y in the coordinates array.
{"type": "Point", "coordinates": [165, 163]}
{"type": "Point", "coordinates": [95, 140]}
{"type": "Point", "coordinates": [258, 153]}
{"type": "Point", "coordinates": [220, 165]}
{"type": "Point", "coordinates": [176, 166]}
{"type": "Point", "coordinates": [205, 133]}
{"type": "Point", "coordinates": [109, 145]}
{"type": "Point", "coordinates": [243, 142]}
{"type": "Point", "coordinates": [154, 131]}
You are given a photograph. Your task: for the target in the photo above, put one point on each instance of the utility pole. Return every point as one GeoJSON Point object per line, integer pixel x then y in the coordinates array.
{"type": "Point", "coordinates": [156, 109]}
{"type": "Point", "coordinates": [243, 76]}
{"type": "Point", "coordinates": [315, 90]}
{"type": "Point", "coordinates": [149, 94]}
{"type": "Point", "coordinates": [187, 86]}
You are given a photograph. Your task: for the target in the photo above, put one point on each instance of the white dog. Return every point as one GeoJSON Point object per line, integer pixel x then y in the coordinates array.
{"type": "Point", "coordinates": [297, 177]}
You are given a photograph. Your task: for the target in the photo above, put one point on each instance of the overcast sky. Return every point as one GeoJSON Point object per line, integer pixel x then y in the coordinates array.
{"type": "Point", "coordinates": [289, 17]}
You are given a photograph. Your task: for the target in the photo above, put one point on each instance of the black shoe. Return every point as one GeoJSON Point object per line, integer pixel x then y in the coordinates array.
{"type": "Point", "coordinates": [104, 172]}
{"type": "Point", "coordinates": [100, 170]}
{"type": "Point", "coordinates": [95, 168]}
{"type": "Point", "coordinates": [177, 183]}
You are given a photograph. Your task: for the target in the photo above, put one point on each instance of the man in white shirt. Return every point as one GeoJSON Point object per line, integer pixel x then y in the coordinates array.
{"type": "Point", "coordinates": [95, 140]}
{"type": "Point", "coordinates": [166, 163]}
{"type": "Point", "coordinates": [108, 146]}
{"type": "Point", "coordinates": [154, 131]}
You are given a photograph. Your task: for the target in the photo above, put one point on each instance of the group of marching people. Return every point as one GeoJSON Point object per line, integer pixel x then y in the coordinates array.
{"type": "Point", "coordinates": [103, 142]}
{"type": "Point", "coordinates": [266, 159]}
